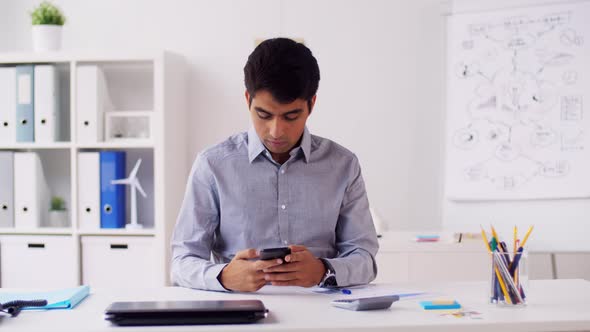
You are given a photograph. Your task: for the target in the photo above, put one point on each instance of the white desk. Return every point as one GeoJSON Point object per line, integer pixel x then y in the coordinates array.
{"type": "Point", "coordinates": [554, 305]}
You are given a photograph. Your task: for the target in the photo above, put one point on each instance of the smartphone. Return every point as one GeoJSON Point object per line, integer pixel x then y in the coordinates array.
{"type": "Point", "coordinates": [273, 253]}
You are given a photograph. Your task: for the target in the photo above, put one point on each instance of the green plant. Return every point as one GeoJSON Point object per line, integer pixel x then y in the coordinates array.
{"type": "Point", "coordinates": [58, 204]}
{"type": "Point", "coordinates": [47, 13]}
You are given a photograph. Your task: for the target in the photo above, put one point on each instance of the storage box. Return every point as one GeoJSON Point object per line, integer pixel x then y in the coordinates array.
{"type": "Point", "coordinates": [37, 261]}
{"type": "Point", "coordinates": [119, 261]}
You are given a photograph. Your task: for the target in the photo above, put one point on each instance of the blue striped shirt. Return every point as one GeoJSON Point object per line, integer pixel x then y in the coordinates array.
{"type": "Point", "coordinates": [237, 197]}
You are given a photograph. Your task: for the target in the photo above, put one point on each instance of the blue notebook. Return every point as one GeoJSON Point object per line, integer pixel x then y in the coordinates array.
{"type": "Point", "coordinates": [58, 299]}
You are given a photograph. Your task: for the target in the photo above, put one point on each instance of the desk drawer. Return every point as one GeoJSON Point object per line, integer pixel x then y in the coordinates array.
{"type": "Point", "coordinates": [391, 267]}
{"type": "Point", "coordinates": [443, 267]}
{"type": "Point", "coordinates": [37, 261]}
{"type": "Point", "coordinates": [119, 261]}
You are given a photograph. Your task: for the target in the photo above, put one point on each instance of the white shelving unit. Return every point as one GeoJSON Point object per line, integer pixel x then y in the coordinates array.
{"type": "Point", "coordinates": [151, 83]}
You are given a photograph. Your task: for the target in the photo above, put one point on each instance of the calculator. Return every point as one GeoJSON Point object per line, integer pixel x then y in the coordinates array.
{"type": "Point", "coordinates": [366, 303]}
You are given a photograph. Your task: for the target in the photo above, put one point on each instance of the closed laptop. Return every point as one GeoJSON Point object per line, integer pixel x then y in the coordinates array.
{"type": "Point", "coordinates": [185, 312]}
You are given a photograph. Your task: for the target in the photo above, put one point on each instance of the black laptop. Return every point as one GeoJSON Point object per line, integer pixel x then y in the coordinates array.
{"type": "Point", "coordinates": [185, 312]}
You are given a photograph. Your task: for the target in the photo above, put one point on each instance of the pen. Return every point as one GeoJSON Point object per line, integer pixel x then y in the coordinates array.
{"type": "Point", "coordinates": [514, 264]}
{"type": "Point", "coordinates": [502, 286]}
{"type": "Point", "coordinates": [504, 251]}
{"type": "Point", "coordinates": [494, 283]}
{"type": "Point", "coordinates": [509, 283]}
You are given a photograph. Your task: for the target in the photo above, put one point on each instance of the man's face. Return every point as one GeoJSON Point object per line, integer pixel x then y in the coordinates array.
{"type": "Point", "coordinates": [279, 126]}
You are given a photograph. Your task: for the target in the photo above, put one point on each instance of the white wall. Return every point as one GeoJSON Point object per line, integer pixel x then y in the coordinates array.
{"type": "Point", "coordinates": [7, 22]}
{"type": "Point", "coordinates": [373, 56]}
{"type": "Point", "coordinates": [381, 94]}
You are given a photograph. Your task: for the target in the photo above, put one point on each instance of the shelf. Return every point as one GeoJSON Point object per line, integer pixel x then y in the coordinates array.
{"type": "Point", "coordinates": [80, 56]}
{"type": "Point", "coordinates": [146, 85]}
{"type": "Point", "coordinates": [122, 144]}
{"type": "Point", "coordinates": [119, 232]}
{"type": "Point", "coordinates": [36, 231]}
{"type": "Point", "coordinates": [35, 146]}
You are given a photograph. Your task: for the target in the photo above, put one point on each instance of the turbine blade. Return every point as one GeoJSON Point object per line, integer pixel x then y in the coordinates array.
{"type": "Point", "coordinates": [121, 181]}
{"type": "Point", "coordinates": [138, 186]}
{"type": "Point", "coordinates": [135, 169]}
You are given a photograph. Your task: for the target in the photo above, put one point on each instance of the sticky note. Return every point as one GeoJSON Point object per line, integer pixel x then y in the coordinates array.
{"type": "Point", "coordinates": [432, 305]}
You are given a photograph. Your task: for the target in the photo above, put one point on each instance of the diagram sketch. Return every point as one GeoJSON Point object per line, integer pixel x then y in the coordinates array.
{"type": "Point", "coordinates": [518, 125]}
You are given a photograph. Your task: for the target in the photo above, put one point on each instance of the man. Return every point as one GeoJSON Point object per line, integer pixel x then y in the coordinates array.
{"type": "Point", "coordinates": [275, 185]}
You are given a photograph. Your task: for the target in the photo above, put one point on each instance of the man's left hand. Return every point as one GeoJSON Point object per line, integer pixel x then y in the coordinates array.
{"type": "Point", "coordinates": [302, 268]}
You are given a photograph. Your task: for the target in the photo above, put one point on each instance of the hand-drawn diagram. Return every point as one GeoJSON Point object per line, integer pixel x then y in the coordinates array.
{"type": "Point", "coordinates": [518, 82]}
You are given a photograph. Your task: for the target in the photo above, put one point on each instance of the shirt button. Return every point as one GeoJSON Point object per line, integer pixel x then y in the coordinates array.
{"type": "Point", "coordinates": [285, 242]}
{"type": "Point", "coordinates": [283, 206]}
{"type": "Point", "coordinates": [282, 171]}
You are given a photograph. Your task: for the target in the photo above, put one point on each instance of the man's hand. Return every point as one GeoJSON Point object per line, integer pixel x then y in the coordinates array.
{"type": "Point", "coordinates": [243, 275]}
{"type": "Point", "coordinates": [302, 269]}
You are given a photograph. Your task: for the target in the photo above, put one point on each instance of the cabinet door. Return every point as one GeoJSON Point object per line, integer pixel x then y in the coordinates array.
{"type": "Point", "coordinates": [37, 261]}
{"type": "Point", "coordinates": [540, 266]}
{"type": "Point", "coordinates": [119, 261]}
{"type": "Point", "coordinates": [392, 267]}
{"type": "Point", "coordinates": [448, 266]}
{"type": "Point", "coordinates": [572, 265]}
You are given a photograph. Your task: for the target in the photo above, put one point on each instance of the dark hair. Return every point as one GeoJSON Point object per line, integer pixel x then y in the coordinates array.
{"type": "Point", "coordinates": [283, 67]}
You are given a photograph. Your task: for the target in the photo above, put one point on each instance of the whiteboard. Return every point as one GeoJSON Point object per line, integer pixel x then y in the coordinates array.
{"type": "Point", "coordinates": [518, 85]}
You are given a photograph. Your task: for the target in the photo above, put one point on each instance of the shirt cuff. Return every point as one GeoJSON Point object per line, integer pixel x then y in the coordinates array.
{"type": "Point", "coordinates": [212, 278]}
{"type": "Point", "coordinates": [340, 271]}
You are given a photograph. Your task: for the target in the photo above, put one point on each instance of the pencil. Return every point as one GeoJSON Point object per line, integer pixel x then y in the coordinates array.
{"type": "Point", "coordinates": [485, 239]}
{"type": "Point", "coordinates": [495, 235]}
{"type": "Point", "coordinates": [504, 291]}
{"type": "Point", "coordinates": [498, 276]}
{"type": "Point", "coordinates": [515, 237]}
{"type": "Point", "coordinates": [526, 236]}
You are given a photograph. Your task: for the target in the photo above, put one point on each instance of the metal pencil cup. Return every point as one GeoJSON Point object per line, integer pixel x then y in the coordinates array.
{"type": "Point", "coordinates": [509, 278]}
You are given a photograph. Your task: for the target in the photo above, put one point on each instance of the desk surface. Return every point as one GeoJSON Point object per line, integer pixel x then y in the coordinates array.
{"type": "Point", "coordinates": [554, 305]}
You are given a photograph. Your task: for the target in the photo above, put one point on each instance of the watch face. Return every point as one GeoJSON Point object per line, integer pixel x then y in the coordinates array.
{"type": "Point", "coordinates": [330, 281]}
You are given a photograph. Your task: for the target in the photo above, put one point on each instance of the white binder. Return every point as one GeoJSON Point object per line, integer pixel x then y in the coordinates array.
{"type": "Point", "coordinates": [46, 104]}
{"type": "Point", "coordinates": [31, 193]}
{"type": "Point", "coordinates": [92, 100]}
{"type": "Point", "coordinates": [7, 104]}
{"type": "Point", "coordinates": [89, 190]}
{"type": "Point", "coordinates": [6, 189]}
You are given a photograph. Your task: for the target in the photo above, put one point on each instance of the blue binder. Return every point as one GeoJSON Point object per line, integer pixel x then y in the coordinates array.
{"type": "Point", "coordinates": [25, 109]}
{"type": "Point", "coordinates": [112, 197]}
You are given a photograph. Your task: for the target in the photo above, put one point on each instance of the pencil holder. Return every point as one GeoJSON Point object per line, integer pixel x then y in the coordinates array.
{"type": "Point", "coordinates": [509, 277]}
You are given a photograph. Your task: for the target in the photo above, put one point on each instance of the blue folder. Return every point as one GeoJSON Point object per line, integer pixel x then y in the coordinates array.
{"type": "Point", "coordinates": [25, 106]}
{"type": "Point", "coordinates": [59, 299]}
{"type": "Point", "coordinates": [112, 197]}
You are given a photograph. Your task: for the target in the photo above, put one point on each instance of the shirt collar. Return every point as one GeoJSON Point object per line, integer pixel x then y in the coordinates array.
{"type": "Point", "coordinates": [256, 147]}
{"type": "Point", "coordinates": [306, 144]}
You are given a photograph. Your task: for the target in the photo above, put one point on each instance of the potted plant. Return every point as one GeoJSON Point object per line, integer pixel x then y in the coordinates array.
{"type": "Point", "coordinates": [58, 215]}
{"type": "Point", "coordinates": [47, 22]}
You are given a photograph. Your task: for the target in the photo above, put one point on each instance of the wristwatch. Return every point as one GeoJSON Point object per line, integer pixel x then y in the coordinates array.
{"type": "Point", "coordinates": [329, 279]}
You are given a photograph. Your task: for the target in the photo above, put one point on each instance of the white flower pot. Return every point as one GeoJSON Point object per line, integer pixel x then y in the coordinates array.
{"type": "Point", "coordinates": [46, 37]}
{"type": "Point", "coordinates": [58, 218]}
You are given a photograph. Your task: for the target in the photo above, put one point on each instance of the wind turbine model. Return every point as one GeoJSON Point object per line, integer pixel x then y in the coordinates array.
{"type": "Point", "coordinates": [135, 186]}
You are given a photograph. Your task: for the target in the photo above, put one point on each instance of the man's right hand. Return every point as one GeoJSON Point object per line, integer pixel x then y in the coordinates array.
{"type": "Point", "coordinates": [243, 275]}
